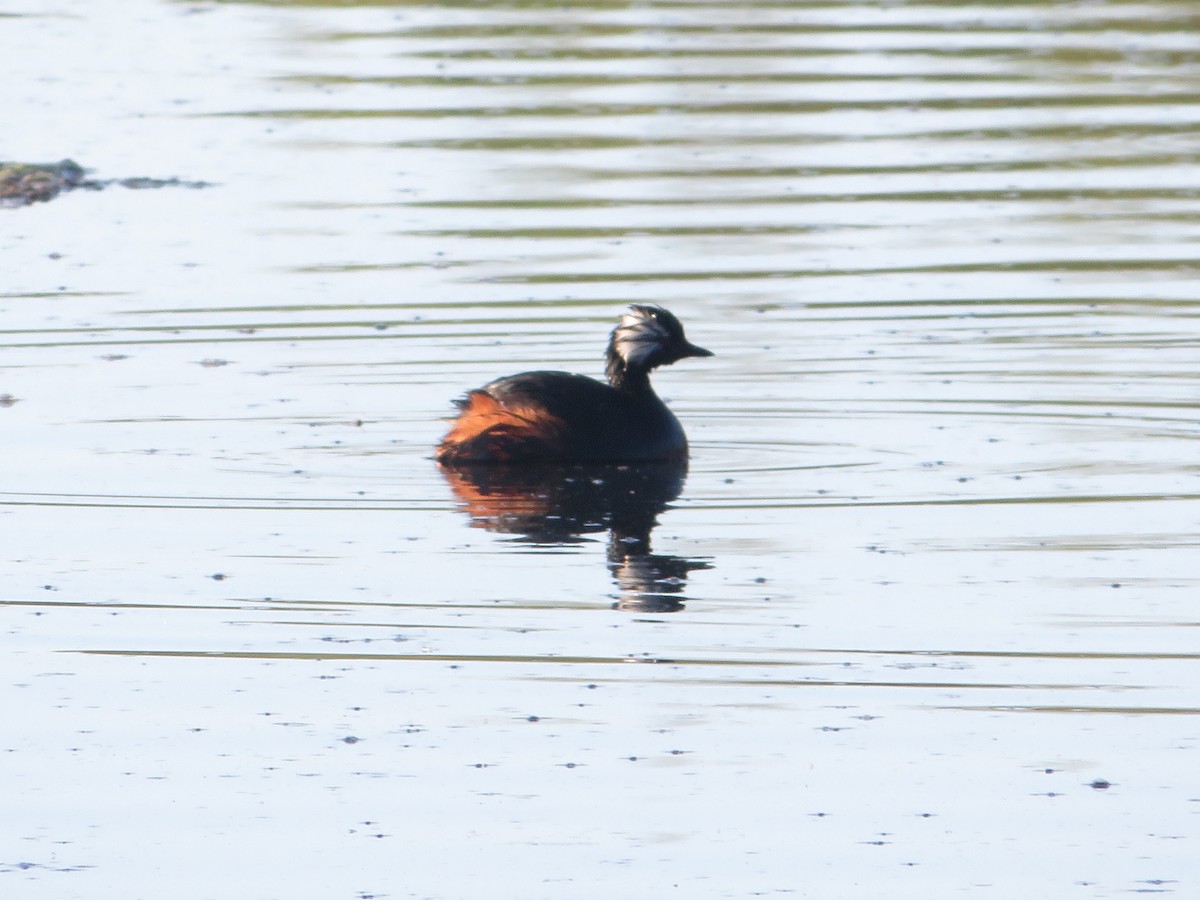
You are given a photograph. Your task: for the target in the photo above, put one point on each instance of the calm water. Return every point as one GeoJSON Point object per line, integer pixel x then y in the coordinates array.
{"type": "Point", "coordinates": [920, 621]}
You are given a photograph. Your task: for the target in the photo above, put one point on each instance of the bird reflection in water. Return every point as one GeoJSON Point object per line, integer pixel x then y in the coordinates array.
{"type": "Point", "coordinates": [559, 503]}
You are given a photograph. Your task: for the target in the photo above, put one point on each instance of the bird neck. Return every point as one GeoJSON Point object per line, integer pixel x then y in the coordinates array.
{"type": "Point", "coordinates": [625, 378]}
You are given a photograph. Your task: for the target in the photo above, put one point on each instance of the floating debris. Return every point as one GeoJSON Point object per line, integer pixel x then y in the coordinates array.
{"type": "Point", "coordinates": [24, 183]}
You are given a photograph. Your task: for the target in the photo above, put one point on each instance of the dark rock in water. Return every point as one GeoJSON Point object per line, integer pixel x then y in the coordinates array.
{"type": "Point", "coordinates": [25, 183]}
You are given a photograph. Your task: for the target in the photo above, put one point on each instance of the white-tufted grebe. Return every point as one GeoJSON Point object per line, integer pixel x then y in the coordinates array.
{"type": "Point", "coordinates": [560, 417]}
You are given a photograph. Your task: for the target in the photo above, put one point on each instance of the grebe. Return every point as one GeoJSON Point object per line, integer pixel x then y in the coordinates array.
{"type": "Point", "coordinates": [560, 417]}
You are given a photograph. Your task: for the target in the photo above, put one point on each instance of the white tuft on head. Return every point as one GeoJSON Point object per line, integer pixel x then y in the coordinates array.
{"type": "Point", "coordinates": [639, 335]}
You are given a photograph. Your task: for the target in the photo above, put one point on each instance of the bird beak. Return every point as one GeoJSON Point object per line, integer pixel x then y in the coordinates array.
{"type": "Point", "coordinates": [693, 350]}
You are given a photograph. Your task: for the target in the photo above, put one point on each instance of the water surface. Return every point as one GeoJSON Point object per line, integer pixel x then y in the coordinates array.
{"type": "Point", "coordinates": [920, 619]}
